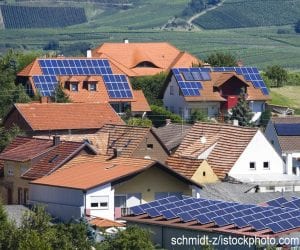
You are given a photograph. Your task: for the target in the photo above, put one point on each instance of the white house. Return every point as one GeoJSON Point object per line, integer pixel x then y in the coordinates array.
{"type": "Point", "coordinates": [214, 91]}
{"type": "Point", "coordinates": [284, 134]}
{"type": "Point", "coordinates": [211, 152]}
{"type": "Point", "coordinates": [94, 187]}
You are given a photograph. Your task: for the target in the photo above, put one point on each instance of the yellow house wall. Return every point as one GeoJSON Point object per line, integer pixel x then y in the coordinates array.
{"type": "Point", "coordinates": [151, 181]}
{"type": "Point", "coordinates": [209, 177]}
{"type": "Point", "coordinates": [14, 181]}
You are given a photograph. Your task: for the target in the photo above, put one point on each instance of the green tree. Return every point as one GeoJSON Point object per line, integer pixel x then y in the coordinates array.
{"type": "Point", "coordinates": [297, 26]}
{"type": "Point", "coordinates": [221, 59]}
{"type": "Point", "coordinates": [198, 115]}
{"type": "Point", "coordinates": [151, 86]}
{"type": "Point", "coordinates": [131, 238]}
{"type": "Point", "coordinates": [277, 74]}
{"type": "Point", "coordinates": [194, 6]}
{"type": "Point", "coordinates": [52, 45]}
{"type": "Point", "coordinates": [140, 122]}
{"type": "Point", "coordinates": [7, 230]}
{"type": "Point", "coordinates": [60, 96]}
{"type": "Point", "coordinates": [242, 111]}
{"type": "Point", "coordinates": [7, 135]}
{"type": "Point", "coordinates": [158, 116]}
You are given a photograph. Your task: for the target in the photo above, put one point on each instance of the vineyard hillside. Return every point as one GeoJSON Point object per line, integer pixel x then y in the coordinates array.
{"type": "Point", "coordinates": [20, 17]}
{"type": "Point", "coordinates": [251, 13]}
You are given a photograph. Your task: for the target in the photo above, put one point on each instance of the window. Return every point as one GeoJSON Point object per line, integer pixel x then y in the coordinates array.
{"type": "Point", "coordinates": [204, 173]}
{"type": "Point", "coordinates": [252, 165]}
{"type": "Point", "coordinates": [92, 86]}
{"type": "Point", "coordinates": [10, 171]}
{"type": "Point", "coordinates": [25, 196]}
{"type": "Point", "coordinates": [172, 109]}
{"type": "Point", "coordinates": [266, 165]}
{"type": "Point", "coordinates": [149, 146]}
{"type": "Point", "coordinates": [74, 87]}
{"type": "Point", "coordinates": [272, 142]}
{"type": "Point", "coordinates": [270, 188]}
{"type": "Point", "coordinates": [171, 90]}
{"type": "Point", "coordinates": [99, 202]}
{"type": "Point", "coordinates": [294, 170]}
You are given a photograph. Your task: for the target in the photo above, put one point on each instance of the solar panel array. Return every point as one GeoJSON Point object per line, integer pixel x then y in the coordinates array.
{"type": "Point", "coordinates": [275, 218]}
{"type": "Point", "coordinates": [46, 84]}
{"type": "Point", "coordinates": [116, 85]}
{"type": "Point", "coordinates": [288, 129]}
{"type": "Point", "coordinates": [184, 76]}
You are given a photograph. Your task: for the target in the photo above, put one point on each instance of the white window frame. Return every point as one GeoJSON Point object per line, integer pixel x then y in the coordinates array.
{"type": "Point", "coordinates": [92, 84]}
{"type": "Point", "coordinates": [99, 200]}
{"type": "Point", "coordinates": [72, 84]}
{"type": "Point", "coordinates": [10, 171]}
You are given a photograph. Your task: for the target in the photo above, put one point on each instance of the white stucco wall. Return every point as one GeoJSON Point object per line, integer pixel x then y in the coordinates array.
{"type": "Point", "coordinates": [259, 150]}
{"type": "Point", "coordinates": [271, 135]}
{"type": "Point", "coordinates": [175, 102]}
{"type": "Point", "coordinates": [104, 191]}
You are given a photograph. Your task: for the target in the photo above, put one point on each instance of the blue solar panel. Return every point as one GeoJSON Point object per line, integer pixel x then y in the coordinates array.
{"type": "Point", "coordinates": [288, 129]}
{"type": "Point", "coordinates": [46, 85]}
{"type": "Point", "coordinates": [152, 212]}
{"type": "Point", "coordinates": [258, 225]}
{"type": "Point", "coordinates": [275, 227]}
{"type": "Point", "coordinates": [188, 76]}
{"type": "Point", "coordinates": [168, 214]}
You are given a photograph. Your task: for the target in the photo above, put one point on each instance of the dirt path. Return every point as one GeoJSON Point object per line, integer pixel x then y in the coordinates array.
{"type": "Point", "coordinates": [192, 18]}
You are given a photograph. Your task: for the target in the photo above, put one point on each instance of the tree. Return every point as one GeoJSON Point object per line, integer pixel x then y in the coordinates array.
{"type": "Point", "coordinates": [277, 74]}
{"type": "Point", "coordinates": [241, 111]}
{"type": "Point", "coordinates": [51, 45]}
{"type": "Point", "coordinates": [60, 96]}
{"type": "Point", "coordinates": [194, 6]}
{"type": "Point", "coordinates": [158, 116]}
{"type": "Point", "coordinates": [297, 26]}
{"type": "Point", "coordinates": [131, 238]}
{"type": "Point", "coordinates": [140, 122]}
{"type": "Point", "coordinates": [151, 86]}
{"type": "Point", "coordinates": [7, 135]}
{"type": "Point", "coordinates": [198, 115]}
{"type": "Point", "coordinates": [221, 59]}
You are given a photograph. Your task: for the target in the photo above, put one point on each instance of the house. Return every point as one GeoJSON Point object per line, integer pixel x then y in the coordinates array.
{"type": "Point", "coordinates": [144, 59]}
{"type": "Point", "coordinates": [60, 118]}
{"type": "Point", "coordinates": [85, 80]}
{"type": "Point", "coordinates": [101, 187]}
{"type": "Point", "coordinates": [26, 159]}
{"type": "Point", "coordinates": [192, 223]}
{"type": "Point", "coordinates": [213, 91]}
{"type": "Point", "coordinates": [125, 141]}
{"type": "Point", "coordinates": [215, 151]}
{"type": "Point", "coordinates": [284, 134]}
{"type": "Point", "coordinates": [172, 134]}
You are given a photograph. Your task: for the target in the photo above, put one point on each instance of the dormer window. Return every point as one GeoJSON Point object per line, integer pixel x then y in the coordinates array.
{"type": "Point", "coordinates": [74, 86]}
{"type": "Point", "coordinates": [92, 86]}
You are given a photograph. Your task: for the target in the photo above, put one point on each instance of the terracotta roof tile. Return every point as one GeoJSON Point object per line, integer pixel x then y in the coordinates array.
{"type": "Point", "coordinates": [140, 103]}
{"type": "Point", "coordinates": [32, 69]}
{"type": "Point", "coordinates": [53, 159]}
{"type": "Point", "coordinates": [105, 223]}
{"type": "Point", "coordinates": [127, 56]}
{"type": "Point", "coordinates": [60, 116]}
{"type": "Point", "coordinates": [93, 173]}
{"type": "Point", "coordinates": [228, 143]}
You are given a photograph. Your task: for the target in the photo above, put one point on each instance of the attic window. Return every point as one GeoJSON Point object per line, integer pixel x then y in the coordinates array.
{"type": "Point", "coordinates": [252, 165]}
{"type": "Point", "coordinates": [146, 64]}
{"type": "Point", "coordinates": [92, 86]}
{"type": "Point", "coordinates": [149, 146]}
{"type": "Point", "coordinates": [54, 159]}
{"type": "Point", "coordinates": [266, 165]}
{"type": "Point", "coordinates": [204, 173]}
{"type": "Point", "coordinates": [74, 87]}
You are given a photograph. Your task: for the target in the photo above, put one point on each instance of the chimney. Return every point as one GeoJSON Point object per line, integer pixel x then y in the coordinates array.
{"type": "Point", "coordinates": [235, 122]}
{"type": "Point", "coordinates": [44, 99]}
{"type": "Point", "coordinates": [56, 140]}
{"type": "Point", "coordinates": [168, 121]}
{"type": "Point", "coordinates": [240, 63]}
{"type": "Point", "coordinates": [117, 152]}
{"type": "Point", "coordinates": [125, 40]}
{"type": "Point", "coordinates": [89, 53]}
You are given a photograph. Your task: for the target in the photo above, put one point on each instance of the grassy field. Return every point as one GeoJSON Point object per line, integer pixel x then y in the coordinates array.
{"type": "Point", "coordinates": [251, 13]}
{"type": "Point", "coordinates": [287, 96]}
{"type": "Point", "coordinates": [259, 46]}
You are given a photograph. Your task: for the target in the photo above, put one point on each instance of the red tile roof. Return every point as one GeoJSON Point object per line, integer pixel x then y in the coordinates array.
{"type": "Point", "coordinates": [92, 173]}
{"type": "Point", "coordinates": [127, 57]}
{"type": "Point", "coordinates": [226, 142]}
{"type": "Point", "coordinates": [86, 172]}
{"type": "Point", "coordinates": [61, 116]}
{"type": "Point", "coordinates": [140, 104]}
{"type": "Point", "coordinates": [45, 157]}
{"type": "Point", "coordinates": [105, 223]}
